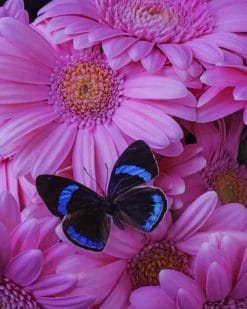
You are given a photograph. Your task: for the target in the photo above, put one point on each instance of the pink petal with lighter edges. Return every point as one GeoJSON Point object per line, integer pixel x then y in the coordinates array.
{"type": "Point", "coordinates": [53, 284]}
{"type": "Point", "coordinates": [105, 278]}
{"type": "Point", "coordinates": [154, 61]}
{"type": "Point", "coordinates": [187, 300]}
{"type": "Point", "coordinates": [124, 244]}
{"type": "Point", "coordinates": [140, 50]}
{"type": "Point", "coordinates": [179, 55]}
{"type": "Point", "coordinates": [194, 217]}
{"type": "Point", "coordinates": [9, 211]}
{"type": "Point", "coordinates": [151, 297]}
{"type": "Point", "coordinates": [25, 236]}
{"type": "Point", "coordinates": [75, 302]}
{"type": "Point", "coordinates": [114, 47]}
{"type": "Point", "coordinates": [30, 42]}
{"type": "Point", "coordinates": [218, 283]}
{"type": "Point", "coordinates": [18, 271]}
{"type": "Point", "coordinates": [119, 295]}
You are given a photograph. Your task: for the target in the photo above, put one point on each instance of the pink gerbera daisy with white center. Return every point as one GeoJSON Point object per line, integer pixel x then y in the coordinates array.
{"type": "Point", "coordinates": [29, 255]}
{"type": "Point", "coordinates": [220, 280]}
{"type": "Point", "coordinates": [64, 105]}
{"type": "Point", "coordinates": [151, 31]}
{"type": "Point", "coordinates": [132, 259]}
{"type": "Point", "coordinates": [227, 92]}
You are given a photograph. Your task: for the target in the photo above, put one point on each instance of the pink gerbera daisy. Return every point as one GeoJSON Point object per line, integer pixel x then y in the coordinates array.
{"type": "Point", "coordinates": [223, 173]}
{"type": "Point", "coordinates": [30, 254]}
{"type": "Point", "coordinates": [220, 280]}
{"type": "Point", "coordinates": [61, 103]}
{"type": "Point", "coordinates": [151, 31]}
{"type": "Point", "coordinates": [132, 259]}
{"type": "Point", "coordinates": [227, 92]}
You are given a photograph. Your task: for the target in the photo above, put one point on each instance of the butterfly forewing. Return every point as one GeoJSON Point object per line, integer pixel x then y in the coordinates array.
{"type": "Point", "coordinates": [88, 228]}
{"type": "Point", "coordinates": [134, 167]}
{"type": "Point", "coordinates": [143, 208]}
{"type": "Point", "coordinates": [63, 196]}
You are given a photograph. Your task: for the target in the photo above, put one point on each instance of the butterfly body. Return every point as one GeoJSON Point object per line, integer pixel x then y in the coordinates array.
{"type": "Point", "coordinates": [87, 216]}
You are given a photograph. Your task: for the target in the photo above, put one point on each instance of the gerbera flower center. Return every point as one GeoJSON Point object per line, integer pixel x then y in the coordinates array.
{"type": "Point", "coordinates": [144, 268]}
{"type": "Point", "coordinates": [159, 21]}
{"type": "Point", "coordinates": [85, 88]}
{"type": "Point", "coordinates": [227, 303]}
{"type": "Point", "coordinates": [13, 296]}
{"type": "Point", "coordinates": [228, 180]}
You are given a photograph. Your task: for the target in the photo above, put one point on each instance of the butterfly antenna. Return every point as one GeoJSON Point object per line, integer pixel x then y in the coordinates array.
{"type": "Point", "coordinates": [97, 184]}
{"type": "Point", "coordinates": [107, 175]}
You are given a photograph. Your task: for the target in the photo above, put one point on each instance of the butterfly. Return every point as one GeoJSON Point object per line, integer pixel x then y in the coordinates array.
{"type": "Point", "coordinates": [86, 216]}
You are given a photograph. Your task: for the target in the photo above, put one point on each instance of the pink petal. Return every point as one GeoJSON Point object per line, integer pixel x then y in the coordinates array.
{"type": "Point", "coordinates": [18, 271]}
{"type": "Point", "coordinates": [134, 125]}
{"type": "Point", "coordinates": [84, 140]}
{"type": "Point", "coordinates": [221, 106]}
{"type": "Point", "coordinates": [63, 137]}
{"type": "Point", "coordinates": [140, 50]}
{"type": "Point", "coordinates": [187, 300]}
{"type": "Point", "coordinates": [47, 237]}
{"type": "Point", "coordinates": [154, 61]}
{"type": "Point", "coordinates": [160, 231]}
{"type": "Point", "coordinates": [30, 42]}
{"type": "Point", "coordinates": [228, 217]}
{"type": "Point", "coordinates": [105, 278]}
{"type": "Point", "coordinates": [75, 302]}
{"type": "Point", "coordinates": [102, 33]}
{"type": "Point", "coordinates": [119, 61]}
{"type": "Point", "coordinates": [13, 92]}
{"type": "Point", "coordinates": [240, 92]}
{"type": "Point", "coordinates": [230, 41]}
{"type": "Point", "coordinates": [119, 295]}
{"type": "Point", "coordinates": [53, 284]}
{"type": "Point", "coordinates": [79, 25]}
{"type": "Point", "coordinates": [124, 244]}
{"type": "Point", "coordinates": [194, 217]}
{"type": "Point", "coordinates": [114, 47]}
{"type": "Point", "coordinates": [218, 283]}
{"type": "Point", "coordinates": [153, 87]}
{"type": "Point", "coordinates": [5, 247]}
{"type": "Point", "coordinates": [151, 297]}
{"type": "Point", "coordinates": [236, 18]}
{"type": "Point", "coordinates": [117, 137]}
{"type": "Point", "coordinates": [206, 51]}
{"type": "Point", "coordinates": [9, 211]}
{"type": "Point", "coordinates": [82, 41]}
{"type": "Point", "coordinates": [25, 236]}
{"type": "Point", "coordinates": [22, 70]}
{"type": "Point", "coordinates": [178, 54]}
{"type": "Point", "coordinates": [192, 244]}
{"type": "Point", "coordinates": [52, 255]}
{"type": "Point", "coordinates": [61, 22]}
{"type": "Point", "coordinates": [171, 281]}
{"type": "Point", "coordinates": [105, 155]}
{"type": "Point", "coordinates": [16, 128]}
{"type": "Point", "coordinates": [173, 149]}
{"type": "Point", "coordinates": [208, 95]}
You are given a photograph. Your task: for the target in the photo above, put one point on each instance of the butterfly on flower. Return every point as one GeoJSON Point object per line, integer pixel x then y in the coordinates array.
{"type": "Point", "coordinates": [87, 215]}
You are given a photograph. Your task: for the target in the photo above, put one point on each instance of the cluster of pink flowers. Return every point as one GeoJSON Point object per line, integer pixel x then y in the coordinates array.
{"type": "Point", "coordinates": [77, 86]}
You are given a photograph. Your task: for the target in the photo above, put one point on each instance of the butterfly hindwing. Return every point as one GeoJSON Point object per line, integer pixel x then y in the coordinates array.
{"type": "Point", "coordinates": [88, 228]}
{"type": "Point", "coordinates": [63, 195]}
{"type": "Point", "coordinates": [142, 208]}
{"type": "Point", "coordinates": [134, 167]}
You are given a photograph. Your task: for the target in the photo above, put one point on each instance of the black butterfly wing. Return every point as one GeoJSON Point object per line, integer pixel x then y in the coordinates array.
{"type": "Point", "coordinates": [88, 228]}
{"type": "Point", "coordinates": [143, 208]}
{"type": "Point", "coordinates": [134, 167]}
{"type": "Point", "coordinates": [63, 195]}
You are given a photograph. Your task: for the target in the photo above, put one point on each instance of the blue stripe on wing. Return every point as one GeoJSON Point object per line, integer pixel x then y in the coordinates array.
{"type": "Point", "coordinates": [134, 171]}
{"type": "Point", "coordinates": [65, 197]}
{"type": "Point", "coordinates": [83, 240]}
{"type": "Point", "coordinates": [157, 210]}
